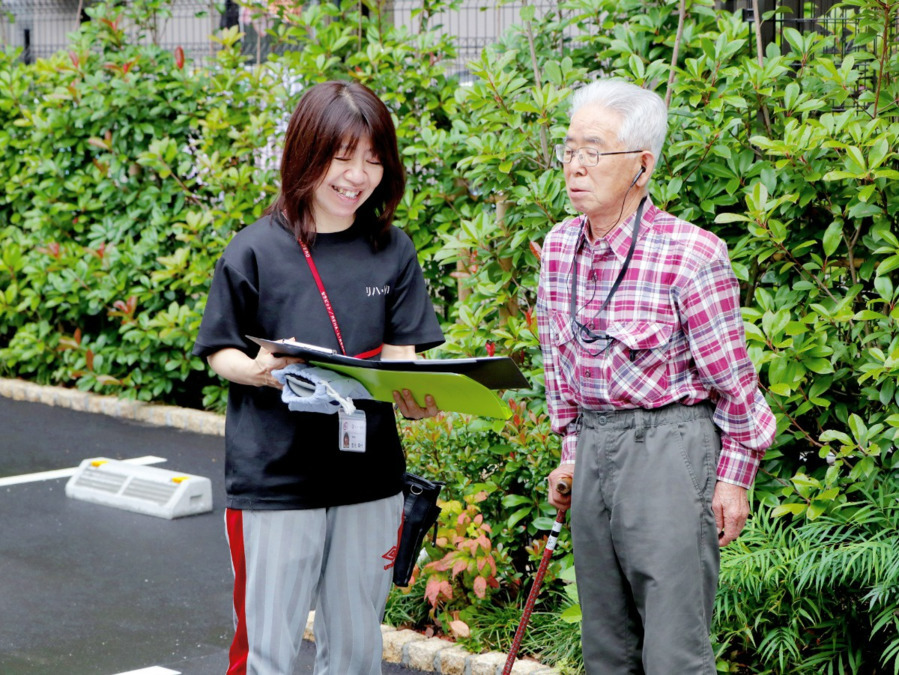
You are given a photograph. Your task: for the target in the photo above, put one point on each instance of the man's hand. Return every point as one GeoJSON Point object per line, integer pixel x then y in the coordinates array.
{"type": "Point", "coordinates": [731, 508]}
{"type": "Point", "coordinates": [561, 500]}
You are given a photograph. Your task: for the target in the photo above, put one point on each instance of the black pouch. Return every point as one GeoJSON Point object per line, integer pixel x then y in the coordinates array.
{"type": "Point", "coordinates": [420, 513]}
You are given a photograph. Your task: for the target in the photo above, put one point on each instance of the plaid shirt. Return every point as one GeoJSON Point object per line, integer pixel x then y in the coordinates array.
{"type": "Point", "coordinates": [676, 329]}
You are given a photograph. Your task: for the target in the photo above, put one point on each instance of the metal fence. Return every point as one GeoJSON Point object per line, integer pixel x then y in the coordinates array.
{"type": "Point", "coordinates": [40, 27]}
{"type": "Point", "coordinates": [818, 16]}
{"type": "Point", "coordinates": [474, 25]}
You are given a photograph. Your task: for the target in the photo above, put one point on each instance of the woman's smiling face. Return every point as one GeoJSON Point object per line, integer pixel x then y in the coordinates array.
{"type": "Point", "coordinates": [350, 180]}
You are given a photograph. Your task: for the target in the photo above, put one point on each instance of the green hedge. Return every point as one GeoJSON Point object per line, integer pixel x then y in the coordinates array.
{"type": "Point", "coordinates": [127, 172]}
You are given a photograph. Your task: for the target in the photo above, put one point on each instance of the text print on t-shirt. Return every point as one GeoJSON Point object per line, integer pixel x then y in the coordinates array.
{"type": "Point", "coordinates": [377, 290]}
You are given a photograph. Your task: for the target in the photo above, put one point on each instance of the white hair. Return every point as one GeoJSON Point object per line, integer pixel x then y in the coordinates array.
{"type": "Point", "coordinates": [644, 115]}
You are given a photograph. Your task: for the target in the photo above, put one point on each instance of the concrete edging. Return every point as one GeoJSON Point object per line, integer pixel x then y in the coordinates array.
{"type": "Point", "coordinates": [406, 647]}
{"type": "Point", "coordinates": [138, 411]}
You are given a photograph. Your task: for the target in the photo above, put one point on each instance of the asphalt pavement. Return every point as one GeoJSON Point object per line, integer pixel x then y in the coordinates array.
{"type": "Point", "coordinates": [87, 589]}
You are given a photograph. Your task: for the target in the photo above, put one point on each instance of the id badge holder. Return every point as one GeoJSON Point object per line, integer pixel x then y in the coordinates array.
{"type": "Point", "coordinates": [351, 431]}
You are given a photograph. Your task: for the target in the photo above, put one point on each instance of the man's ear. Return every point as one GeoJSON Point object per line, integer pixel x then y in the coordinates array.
{"type": "Point", "coordinates": [647, 164]}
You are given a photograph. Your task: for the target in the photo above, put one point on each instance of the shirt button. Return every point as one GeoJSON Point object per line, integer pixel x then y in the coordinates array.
{"type": "Point", "coordinates": [602, 420]}
{"type": "Point", "coordinates": [587, 373]}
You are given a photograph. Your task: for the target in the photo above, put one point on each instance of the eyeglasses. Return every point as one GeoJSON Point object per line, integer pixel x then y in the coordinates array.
{"type": "Point", "coordinates": [586, 156]}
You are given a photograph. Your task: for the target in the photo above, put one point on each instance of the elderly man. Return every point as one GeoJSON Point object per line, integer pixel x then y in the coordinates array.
{"type": "Point", "coordinates": [649, 383]}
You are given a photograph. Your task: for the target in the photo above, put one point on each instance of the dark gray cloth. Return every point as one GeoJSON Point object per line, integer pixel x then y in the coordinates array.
{"type": "Point", "coordinates": [645, 539]}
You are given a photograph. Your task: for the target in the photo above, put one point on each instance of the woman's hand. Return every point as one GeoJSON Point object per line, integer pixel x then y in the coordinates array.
{"type": "Point", "coordinates": [404, 401]}
{"type": "Point", "coordinates": [234, 365]}
{"type": "Point", "coordinates": [266, 362]}
{"type": "Point", "coordinates": [407, 406]}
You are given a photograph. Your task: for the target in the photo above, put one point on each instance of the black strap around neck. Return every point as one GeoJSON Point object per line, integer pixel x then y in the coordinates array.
{"type": "Point", "coordinates": [627, 262]}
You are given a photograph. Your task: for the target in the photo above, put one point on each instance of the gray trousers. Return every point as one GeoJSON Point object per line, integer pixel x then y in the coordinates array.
{"type": "Point", "coordinates": [645, 540]}
{"type": "Point", "coordinates": [337, 560]}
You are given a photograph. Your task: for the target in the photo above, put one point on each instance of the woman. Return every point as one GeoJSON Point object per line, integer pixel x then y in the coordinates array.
{"type": "Point", "coordinates": [310, 525]}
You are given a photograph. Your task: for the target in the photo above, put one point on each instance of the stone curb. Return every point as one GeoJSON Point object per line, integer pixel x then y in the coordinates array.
{"type": "Point", "coordinates": [406, 647]}
{"type": "Point", "coordinates": [138, 411]}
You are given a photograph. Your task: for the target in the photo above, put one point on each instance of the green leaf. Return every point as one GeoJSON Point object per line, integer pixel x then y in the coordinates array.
{"type": "Point", "coordinates": [816, 509]}
{"type": "Point", "coordinates": [839, 174]}
{"type": "Point", "coordinates": [864, 210]}
{"type": "Point", "coordinates": [724, 218]}
{"type": "Point", "coordinates": [515, 500]}
{"type": "Point", "coordinates": [817, 365]}
{"type": "Point", "coordinates": [571, 614]}
{"type": "Point", "coordinates": [856, 160]}
{"type": "Point", "coordinates": [833, 235]}
{"type": "Point", "coordinates": [781, 389]}
{"type": "Point", "coordinates": [553, 72]}
{"type": "Point", "coordinates": [858, 428]}
{"type": "Point", "coordinates": [888, 265]}
{"type": "Point", "coordinates": [517, 516]}
{"type": "Point", "coordinates": [834, 435]}
{"type": "Point", "coordinates": [788, 509]}
{"type": "Point", "coordinates": [544, 523]}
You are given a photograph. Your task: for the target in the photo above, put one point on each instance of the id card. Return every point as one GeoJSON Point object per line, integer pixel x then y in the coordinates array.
{"type": "Point", "coordinates": [351, 431]}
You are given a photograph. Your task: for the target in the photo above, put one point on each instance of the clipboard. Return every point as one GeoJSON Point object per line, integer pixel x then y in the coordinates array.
{"type": "Point", "coordinates": [457, 385]}
{"type": "Point", "coordinates": [493, 372]}
{"type": "Point", "coordinates": [451, 391]}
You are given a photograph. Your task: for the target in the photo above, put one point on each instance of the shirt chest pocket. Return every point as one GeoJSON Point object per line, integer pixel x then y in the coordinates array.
{"type": "Point", "coordinates": [637, 362]}
{"type": "Point", "coordinates": [562, 336]}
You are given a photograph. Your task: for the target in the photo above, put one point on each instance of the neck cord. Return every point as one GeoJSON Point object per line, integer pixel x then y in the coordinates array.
{"type": "Point", "coordinates": [588, 335]}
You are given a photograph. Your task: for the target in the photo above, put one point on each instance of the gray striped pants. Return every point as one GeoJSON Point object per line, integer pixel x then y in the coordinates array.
{"type": "Point", "coordinates": [338, 560]}
{"type": "Point", "coordinates": [645, 542]}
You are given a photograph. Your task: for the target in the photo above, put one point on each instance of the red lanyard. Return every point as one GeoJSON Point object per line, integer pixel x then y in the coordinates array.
{"type": "Point", "coordinates": [327, 301]}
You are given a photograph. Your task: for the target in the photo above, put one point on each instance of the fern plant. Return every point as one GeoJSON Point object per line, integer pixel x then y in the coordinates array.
{"type": "Point", "coordinates": [816, 596]}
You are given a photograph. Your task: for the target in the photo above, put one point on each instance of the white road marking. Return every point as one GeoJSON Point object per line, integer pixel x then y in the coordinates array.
{"type": "Point", "coordinates": [155, 670]}
{"type": "Point", "coordinates": [65, 473]}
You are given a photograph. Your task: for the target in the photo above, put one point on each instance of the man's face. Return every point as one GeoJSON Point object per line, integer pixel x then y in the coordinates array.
{"type": "Point", "coordinates": [598, 191]}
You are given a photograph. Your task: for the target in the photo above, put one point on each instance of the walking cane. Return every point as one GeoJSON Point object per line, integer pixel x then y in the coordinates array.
{"type": "Point", "coordinates": [562, 488]}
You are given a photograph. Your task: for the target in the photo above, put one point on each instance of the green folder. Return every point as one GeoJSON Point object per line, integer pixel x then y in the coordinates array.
{"type": "Point", "coordinates": [451, 391]}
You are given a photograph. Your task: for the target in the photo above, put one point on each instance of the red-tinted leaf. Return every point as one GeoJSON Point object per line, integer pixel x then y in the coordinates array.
{"type": "Point", "coordinates": [480, 587]}
{"type": "Point", "coordinates": [460, 628]}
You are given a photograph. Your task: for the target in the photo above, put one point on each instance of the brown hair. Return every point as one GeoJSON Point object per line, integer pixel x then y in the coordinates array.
{"type": "Point", "coordinates": [328, 115]}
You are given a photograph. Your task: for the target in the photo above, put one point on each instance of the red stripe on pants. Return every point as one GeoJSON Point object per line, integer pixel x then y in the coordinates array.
{"type": "Point", "coordinates": [237, 657]}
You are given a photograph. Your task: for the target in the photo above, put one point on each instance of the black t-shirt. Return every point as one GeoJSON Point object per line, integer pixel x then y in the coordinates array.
{"type": "Point", "coordinates": [279, 459]}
